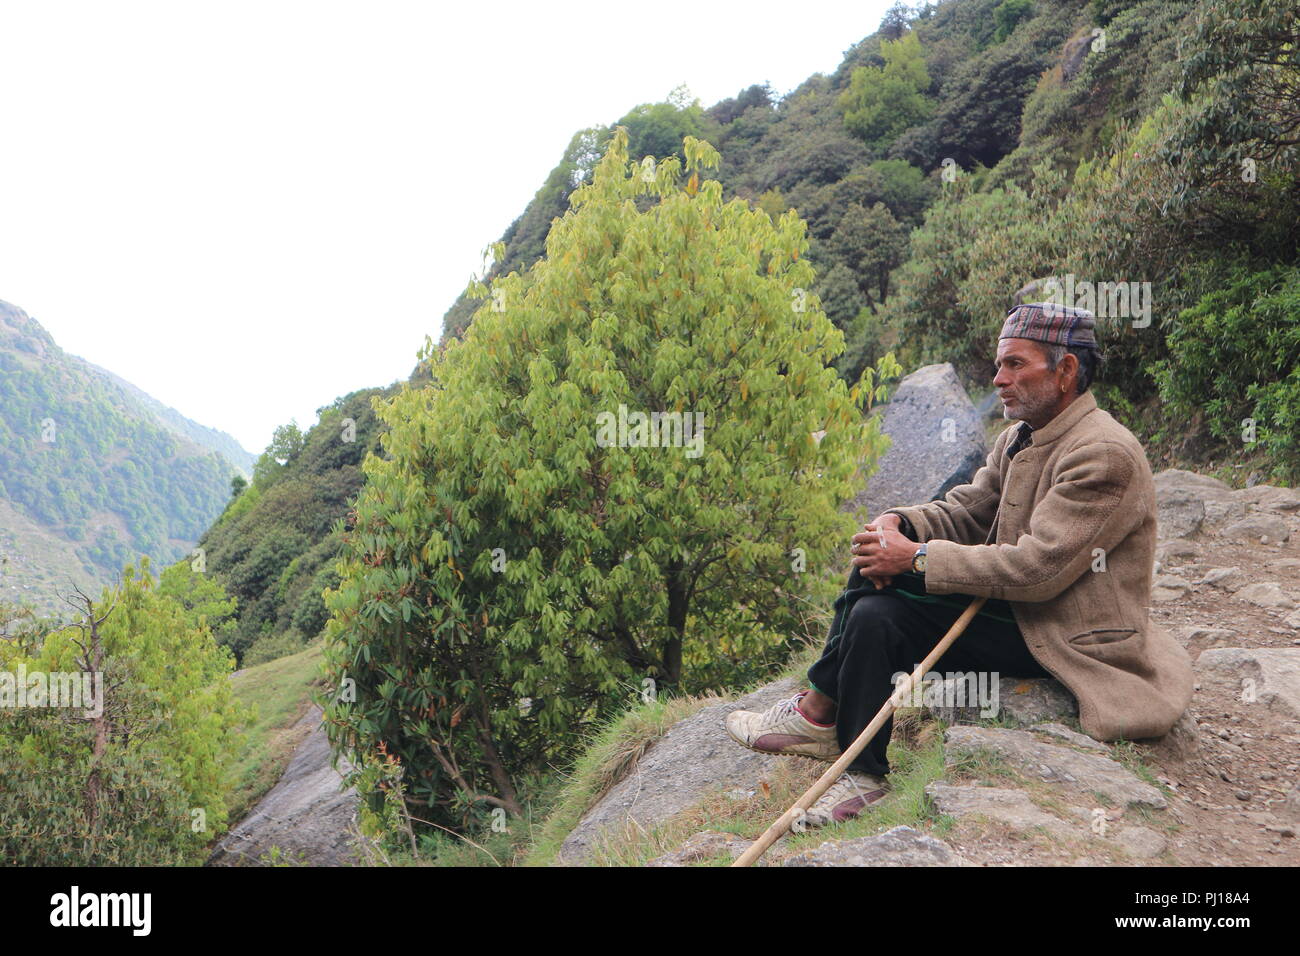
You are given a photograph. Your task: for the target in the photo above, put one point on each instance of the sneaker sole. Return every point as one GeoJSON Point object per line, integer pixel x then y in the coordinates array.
{"type": "Point", "coordinates": [780, 753]}
{"type": "Point", "coordinates": [833, 822]}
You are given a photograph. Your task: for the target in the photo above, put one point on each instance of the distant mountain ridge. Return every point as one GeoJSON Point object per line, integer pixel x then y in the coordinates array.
{"type": "Point", "coordinates": [93, 471]}
{"type": "Point", "coordinates": [17, 327]}
{"type": "Point", "coordinates": [225, 445]}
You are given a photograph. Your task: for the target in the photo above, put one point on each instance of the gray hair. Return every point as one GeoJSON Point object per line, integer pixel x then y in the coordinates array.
{"type": "Point", "coordinates": [1089, 362]}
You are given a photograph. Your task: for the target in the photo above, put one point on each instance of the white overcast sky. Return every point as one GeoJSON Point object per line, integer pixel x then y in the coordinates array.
{"type": "Point", "coordinates": [249, 209]}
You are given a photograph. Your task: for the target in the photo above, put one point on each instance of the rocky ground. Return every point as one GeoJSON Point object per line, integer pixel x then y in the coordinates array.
{"type": "Point", "coordinates": [1229, 588]}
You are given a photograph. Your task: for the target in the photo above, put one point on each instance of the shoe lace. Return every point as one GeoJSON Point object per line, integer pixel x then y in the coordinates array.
{"type": "Point", "coordinates": [782, 710]}
{"type": "Point", "coordinates": [853, 785]}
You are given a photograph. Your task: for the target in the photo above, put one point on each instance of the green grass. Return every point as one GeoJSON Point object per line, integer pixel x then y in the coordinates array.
{"type": "Point", "coordinates": [279, 692]}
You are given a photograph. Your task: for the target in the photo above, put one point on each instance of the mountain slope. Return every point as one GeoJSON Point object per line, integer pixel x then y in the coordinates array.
{"type": "Point", "coordinates": [210, 438]}
{"type": "Point", "coordinates": [274, 546]}
{"type": "Point", "coordinates": [970, 149]}
{"type": "Point", "coordinates": [90, 477]}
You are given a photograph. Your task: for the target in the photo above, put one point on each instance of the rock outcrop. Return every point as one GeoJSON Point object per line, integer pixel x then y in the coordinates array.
{"type": "Point", "coordinates": [938, 441]}
{"type": "Point", "coordinates": [1261, 675]}
{"type": "Point", "coordinates": [1083, 773]}
{"type": "Point", "coordinates": [307, 815]}
{"type": "Point", "coordinates": [1189, 504]}
{"type": "Point", "coordinates": [694, 758]}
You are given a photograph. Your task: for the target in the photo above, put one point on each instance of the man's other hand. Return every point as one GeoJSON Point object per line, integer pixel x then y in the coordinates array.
{"type": "Point", "coordinates": [887, 520]}
{"type": "Point", "coordinates": [881, 551]}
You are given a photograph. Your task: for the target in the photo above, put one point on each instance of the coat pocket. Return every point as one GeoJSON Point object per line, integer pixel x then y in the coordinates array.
{"type": "Point", "coordinates": [1103, 635]}
{"type": "Point", "coordinates": [1122, 647]}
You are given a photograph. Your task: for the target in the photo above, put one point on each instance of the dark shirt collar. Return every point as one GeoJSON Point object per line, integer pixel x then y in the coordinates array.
{"type": "Point", "coordinates": [1022, 438]}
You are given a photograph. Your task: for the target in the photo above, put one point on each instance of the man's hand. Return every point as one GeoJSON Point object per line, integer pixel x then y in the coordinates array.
{"type": "Point", "coordinates": [880, 551]}
{"type": "Point", "coordinates": [882, 521]}
{"type": "Point", "coordinates": [887, 520]}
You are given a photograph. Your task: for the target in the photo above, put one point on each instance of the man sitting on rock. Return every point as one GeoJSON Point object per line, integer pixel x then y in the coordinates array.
{"type": "Point", "coordinates": [1057, 530]}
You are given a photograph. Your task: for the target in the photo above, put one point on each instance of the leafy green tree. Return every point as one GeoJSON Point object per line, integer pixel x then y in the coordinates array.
{"type": "Point", "coordinates": [976, 119]}
{"type": "Point", "coordinates": [1008, 14]}
{"type": "Point", "coordinates": [927, 308]}
{"type": "Point", "coordinates": [286, 443]}
{"type": "Point", "coordinates": [657, 129]}
{"type": "Point", "coordinates": [894, 23]}
{"type": "Point", "coordinates": [201, 595]}
{"type": "Point", "coordinates": [512, 577]}
{"type": "Point", "coordinates": [904, 189]}
{"type": "Point", "coordinates": [1242, 67]}
{"type": "Point", "coordinates": [840, 295]}
{"type": "Point", "coordinates": [142, 782]}
{"type": "Point", "coordinates": [883, 101]}
{"type": "Point", "coordinates": [871, 243]}
{"type": "Point", "coordinates": [272, 547]}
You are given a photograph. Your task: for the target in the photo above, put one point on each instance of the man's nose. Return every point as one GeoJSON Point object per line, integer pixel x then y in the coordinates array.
{"type": "Point", "coordinates": [1001, 378]}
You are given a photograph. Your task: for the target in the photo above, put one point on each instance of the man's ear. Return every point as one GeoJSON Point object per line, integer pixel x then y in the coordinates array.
{"type": "Point", "coordinates": [1069, 371]}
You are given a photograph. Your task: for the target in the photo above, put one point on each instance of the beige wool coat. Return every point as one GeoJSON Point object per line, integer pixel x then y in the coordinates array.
{"type": "Point", "coordinates": [1036, 531]}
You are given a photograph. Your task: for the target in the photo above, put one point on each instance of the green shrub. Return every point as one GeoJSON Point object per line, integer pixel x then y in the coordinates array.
{"type": "Point", "coordinates": [1235, 358]}
{"type": "Point", "coordinates": [143, 783]}
{"type": "Point", "coordinates": [1007, 14]}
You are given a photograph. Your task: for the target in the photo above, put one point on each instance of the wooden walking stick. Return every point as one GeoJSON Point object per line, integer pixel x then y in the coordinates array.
{"type": "Point", "coordinates": [824, 782]}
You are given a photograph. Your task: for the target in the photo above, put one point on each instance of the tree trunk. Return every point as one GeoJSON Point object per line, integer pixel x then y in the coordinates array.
{"type": "Point", "coordinates": [677, 607]}
{"type": "Point", "coordinates": [94, 785]}
{"type": "Point", "coordinates": [505, 788]}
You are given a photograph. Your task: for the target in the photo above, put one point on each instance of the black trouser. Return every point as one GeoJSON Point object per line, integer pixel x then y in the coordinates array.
{"type": "Point", "coordinates": [877, 634]}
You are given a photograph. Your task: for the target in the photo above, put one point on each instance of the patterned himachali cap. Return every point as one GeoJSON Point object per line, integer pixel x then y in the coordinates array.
{"type": "Point", "coordinates": [1051, 323]}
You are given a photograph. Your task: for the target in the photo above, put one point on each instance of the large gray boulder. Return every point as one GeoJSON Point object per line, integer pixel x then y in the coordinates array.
{"type": "Point", "coordinates": [938, 442]}
{"type": "Point", "coordinates": [307, 814]}
{"type": "Point", "coordinates": [1186, 500]}
{"type": "Point", "coordinates": [695, 757]}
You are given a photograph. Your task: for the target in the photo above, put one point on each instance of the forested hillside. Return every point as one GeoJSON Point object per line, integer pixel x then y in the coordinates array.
{"type": "Point", "coordinates": [211, 438]}
{"type": "Point", "coordinates": [273, 548]}
{"type": "Point", "coordinates": [92, 473]}
{"type": "Point", "coordinates": [1143, 148]}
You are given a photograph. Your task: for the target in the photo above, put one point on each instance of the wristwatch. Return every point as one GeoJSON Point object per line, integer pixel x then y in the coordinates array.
{"type": "Point", "coordinates": [918, 560]}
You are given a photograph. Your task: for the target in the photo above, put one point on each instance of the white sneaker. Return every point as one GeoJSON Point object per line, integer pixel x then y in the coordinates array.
{"type": "Point", "coordinates": [846, 798]}
{"type": "Point", "coordinates": [781, 729]}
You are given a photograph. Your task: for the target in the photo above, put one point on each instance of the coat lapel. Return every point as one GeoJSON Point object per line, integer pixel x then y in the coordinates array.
{"type": "Point", "coordinates": [1019, 478]}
